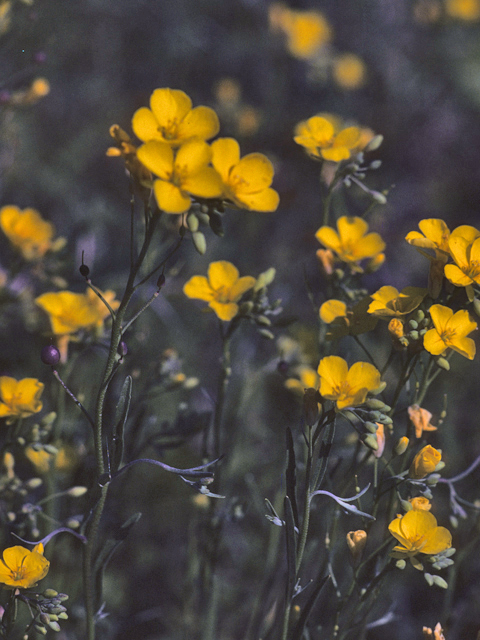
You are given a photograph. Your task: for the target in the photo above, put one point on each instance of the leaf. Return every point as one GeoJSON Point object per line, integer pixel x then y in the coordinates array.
{"type": "Point", "coordinates": [291, 479]}
{"type": "Point", "coordinates": [302, 621]}
{"type": "Point", "coordinates": [291, 548]}
{"type": "Point", "coordinates": [121, 414]}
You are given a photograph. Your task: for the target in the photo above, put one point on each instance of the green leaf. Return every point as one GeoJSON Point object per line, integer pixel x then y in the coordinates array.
{"type": "Point", "coordinates": [121, 414]}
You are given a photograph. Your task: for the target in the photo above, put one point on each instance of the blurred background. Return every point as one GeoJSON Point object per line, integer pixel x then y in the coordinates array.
{"type": "Point", "coordinates": [407, 69]}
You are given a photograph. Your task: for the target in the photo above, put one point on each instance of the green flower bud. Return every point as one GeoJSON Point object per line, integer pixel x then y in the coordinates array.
{"type": "Point", "coordinates": [414, 335]}
{"type": "Point", "coordinates": [371, 426]}
{"type": "Point", "coordinates": [443, 363]}
{"type": "Point", "coordinates": [400, 564]}
{"type": "Point", "coordinates": [199, 242]}
{"type": "Point", "coordinates": [370, 441]}
{"type": "Point", "coordinates": [54, 626]}
{"type": "Point", "coordinates": [429, 579]}
{"type": "Point", "coordinates": [40, 629]}
{"type": "Point", "coordinates": [193, 222]}
{"type": "Point", "coordinates": [266, 334]}
{"type": "Point", "coordinates": [374, 143]}
{"type": "Point", "coordinates": [374, 403]}
{"type": "Point", "coordinates": [76, 492]}
{"type": "Point", "coordinates": [440, 582]}
{"type": "Point", "coordinates": [476, 306]}
{"type": "Point", "coordinates": [413, 324]}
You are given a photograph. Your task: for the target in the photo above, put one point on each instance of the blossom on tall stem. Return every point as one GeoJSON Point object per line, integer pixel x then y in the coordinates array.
{"type": "Point", "coordinates": [450, 331]}
{"type": "Point", "coordinates": [317, 135]}
{"type": "Point", "coordinates": [351, 242]}
{"type": "Point", "coordinates": [347, 387]}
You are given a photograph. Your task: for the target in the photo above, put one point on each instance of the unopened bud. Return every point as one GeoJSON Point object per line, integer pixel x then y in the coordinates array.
{"type": "Point", "coordinates": [199, 242]}
{"type": "Point", "coordinates": [429, 579]}
{"type": "Point", "coordinates": [401, 446]}
{"type": "Point", "coordinates": [476, 306]}
{"type": "Point", "coordinates": [374, 143]}
{"type": "Point", "coordinates": [443, 363]}
{"type": "Point", "coordinates": [40, 629]}
{"type": "Point", "coordinates": [378, 197]}
{"type": "Point", "coordinates": [356, 541]}
{"type": "Point", "coordinates": [266, 334]}
{"type": "Point", "coordinates": [192, 222]}
{"type": "Point", "coordinates": [440, 582]}
{"type": "Point", "coordinates": [76, 492]}
{"type": "Point", "coordinates": [370, 441]}
{"type": "Point", "coordinates": [50, 593]}
{"type": "Point", "coordinates": [371, 427]}
{"type": "Point", "coordinates": [400, 564]}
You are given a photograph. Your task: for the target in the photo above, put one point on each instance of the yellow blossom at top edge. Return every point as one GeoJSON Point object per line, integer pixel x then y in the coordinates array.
{"type": "Point", "coordinates": [222, 289]}
{"type": "Point", "coordinates": [28, 232]}
{"type": "Point", "coordinates": [347, 387]}
{"type": "Point", "coordinates": [351, 242]}
{"type": "Point", "coordinates": [172, 120]}
{"type": "Point", "coordinates": [21, 568]}
{"type": "Point", "coordinates": [306, 31]}
{"type": "Point", "coordinates": [20, 398]}
{"type": "Point", "coordinates": [388, 302]}
{"type": "Point", "coordinates": [468, 10]}
{"type": "Point", "coordinates": [420, 419]}
{"type": "Point", "coordinates": [349, 71]}
{"type": "Point", "coordinates": [180, 174]}
{"type": "Point", "coordinates": [247, 180]}
{"type": "Point", "coordinates": [450, 331]}
{"type": "Point", "coordinates": [317, 135]}
{"type": "Point", "coordinates": [417, 532]}
{"type": "Point", "coordinates": [425, 462]}
{"type": "Point", "coordinates": [466, 255]}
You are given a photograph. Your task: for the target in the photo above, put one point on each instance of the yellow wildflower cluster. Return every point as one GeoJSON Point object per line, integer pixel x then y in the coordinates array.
{"type": "Point", "coordinates": [28, 232]}
{"type": "Point", "coordinates": [185, 165]}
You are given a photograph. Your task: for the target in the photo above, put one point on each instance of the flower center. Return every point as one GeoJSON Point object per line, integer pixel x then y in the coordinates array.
{"type": "Point", "coordinates": [221, 294]}
{"type": "Point", "coordinates": [473, 269]}
{"type": "Point", "coordinates": [170, 130]}
{"type": "Point", "coordinates": [447, 335]}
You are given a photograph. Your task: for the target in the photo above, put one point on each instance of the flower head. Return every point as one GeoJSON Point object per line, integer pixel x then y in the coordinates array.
{"type": "Point", "coordinates": [388, 302]}
{"type": "Point", "coordinates": [21, 568]}
{"type": "Point", "coordinates": [417, 532]}
{"type": "Point", "coordinates": [180, 174]}
{"type": "Point", "coordinates": [425, 462]}
{"type": "Point", "coordinates": [247, 180]}
{"type": "Point", "coordinates": [450, 331]}
{"type": "Point", "coordinates": [172, 120]}
{"type": "Point", "coordinates": [307, 31]}
{"type": "Point", "coordinates": [349, 71]}
{"type": "Point", "coordinates": [466, 253]}
{"type": "Point", "coordinates": [28, 232]}
{"type": "Point", "coordinates": [351, 242]}
{"type": "Point", "coordinates": [221, 290]}
{"type": "Point", "coordinates": [420, 419]}
{"type": "Point", "coordinates": [317, 135]}
{"type": "Point", "coordinates": [20, 398]}
{"type": "Point", "coordinates": [420, 504]}
{"type": "Point", "coordinates": [347, 387]}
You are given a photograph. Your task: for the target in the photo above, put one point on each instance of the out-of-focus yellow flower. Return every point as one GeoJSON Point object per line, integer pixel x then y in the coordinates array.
{"type": "Point", "coordinates": [345, 322]}
{"type": "Point", "coordinates": [349, 71]}
{"type": "Point", "coordinates": [65, 459]}
{"type": "Point", "coordinates": [425, 462]}
{"type": "Point", "coordinates": [247, 180]}
{"type": "Point", "coordinates": [248, 120]}
{"type": "Point", "coordinates": [351, 242]}
{"type": "Point", "coordinates": [29, 232]}
{"type": "Point", "coordinates": [222, 290]}
{"type": "Point", "coordinates": [332, 309]}
{"type": "Point", "coordinates": [436, 634]}
{"type": "Point", "coordinates": [347, 387]}
{"type": "Point", "coordinates": [228, 91]}
{"type": "Point", "coordinates": [420, 419]}
{"type": "Point", "coordinates": [356, 541]}
{"type": "Point", "coordinates": [307, 31]}
{"type": "Point", "coordinates": [39, 88]}
{"type": "Point", "coordinates": [420, 504]}
{"type": "Point", "coordinates": [388, 302]}
{"type": "Point", "coordinates": [5, 17]}
{"type": "Point", "coordinates": [466, 254]}
{"type": "Point", "coordinates": [449, 332]}
{"type": "Point", "coordinates": [180, 175]}
{"type": "Point", "coordinates": [468, 10]}
{"type": "Point", "coordinates": [317, 135]}
{"type": "Point", "coordinates": [417, 532]}
{"type": "Point", "coordinates": [172, 120]}
{"type": "Point", "coordinates": [19, 398]}
{"type": "Point", "coordinates": [21, 568]}
{"type": "Point", "coordinates": [308, 380]}
{"type": "Point", "coordinates": [41, 460]}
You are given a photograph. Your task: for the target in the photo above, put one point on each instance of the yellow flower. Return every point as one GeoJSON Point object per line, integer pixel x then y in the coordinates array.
{"type": "Point", "coordinates": [468, 10]}
{"type": "Point", "coordinates": [69, 312]}
{"type": "Point", "coordinates": [347, 322]}
{"type": "Point", "coordinates": [221, 290]}
{"type": "Point", "coordinates": [21, 568]}
{"type": "Point", "coordinates": [246, 181]}
{"type": "Point", "coordinates": [388, 302]}
{"type": "Point", "coordinates": [466, 253]}
{"type": "Point", "coordinates": [351, 243]}
{"type": "Point", "coordinates": [349, 71]}
{"type": "Point", "coordinates": [347, 387]}
{"type": "Point", "coordinates": [181, 174]}
{"type": "Point", "coordinates": [435, 235]}
{"type": "Point", "coordinates": [425, 462]}
{"type": "Point", "coordinates": [332, 309]}
{"type": "Point", "coordinates": [436, 634]}
{"type": "Point", "coordinates": [417, 532]}
{"type": "Point", "coordinates": [28, 232]}
{"type": "Point", "coordinates": [420, 419]}
{"type": "Point", "coordinates": [307, 31]}
{"type": "Point", "coordinates": [308, 380]}
{"type": "Point", "coordinates": [317, 135]}
{"type": "Point", "coordinates": [20, 398]}
{"type": "Point", "coordinates": [172, 120]}
{"type": "Point", "coordinates": [420, 504]}
{"type": "Point", "coordinates": [450, 331]}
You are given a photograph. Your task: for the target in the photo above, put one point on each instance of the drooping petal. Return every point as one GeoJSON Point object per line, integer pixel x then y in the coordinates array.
{"type": "Point", "coordinates": [222, 275]}
{"type": "Point", "coordinates": [170, 198]}
{"type": "Point", "coordinates": [464, 346]}
{"type": "Point", "coordinates": [157, 157]}
{"type": "Point", "coordinates": [199, 288]}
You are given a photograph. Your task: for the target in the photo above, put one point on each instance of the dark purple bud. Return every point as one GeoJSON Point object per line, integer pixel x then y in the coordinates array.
{"type": "Point", "coordinates": [84, 270]}
{"type": "Point", "coordinates": [161, 281]}
{"type": "Point", "coordinates": [50, 355]}
{"type": "Point", "coordinates": [122, 349]}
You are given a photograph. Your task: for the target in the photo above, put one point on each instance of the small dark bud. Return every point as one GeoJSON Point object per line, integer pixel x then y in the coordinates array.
{"type": "Point", "coordinates": [84, 270]}
{"type": "Point", "coordinates": [50, 355]}
{"type": "Point", "coordinates": [161, 280]}
{"type": "Point", "coordinates": [122, 349]}
{"type": "Point", "coordinates": [282, 367]}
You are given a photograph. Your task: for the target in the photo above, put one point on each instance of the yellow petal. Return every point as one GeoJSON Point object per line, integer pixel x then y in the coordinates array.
{"type": "Point", "coordinates": [347, 138]}
{"type": "Point", "coordinates": [199, 288]}
{"type": "Point", "coordinates": [336, 154]}
{"type": "Point", "coordinates": [333, 372]}
{"type": "Point", "coordinates": [332, 309]}
{"type": "Point", "coordinates": [363, 375]}
{"type": "Point", "coordinates": [201, 122]}
{"type": "Point", "coordinates": [222, 275]}
{"type": "Point", "coordinates": [433, 343]}
{"type": "Point", "coordinates": [464, 346]}
{"type": "Point", "coordinates": [263, 201]}
{"type": "Point", "coordinates": [144, 125]}
{"type": "Point", "coordinates": [351, 229]}
{"type": "Point", "coordinates": [240, 287]}
{"type": "Point", "coordinates": [439, 540]}
{"type": "Point", "coordinates": [254, 172]}
{"type": "Point", "coordinates": [157, 157]}
{"type": "Point", "coordinates": [329, 238]}
{"type": "Point", "coordinates": [440, 316]}
{"type": "Point", "coordinates": [205, 183]}
{"type": "Point", "coordinates": [191, 157]}
{"type": "Point", "coordinates": [225, 155]}
{"type": "Point", "coordinates": [320, 129]}
{"type": "Point", "coordinates": [456, 276]}
{"type": "Point", "coordinates": [224, 310]}
{"type": "Point", "coordinates": [169, 197]}
{"type": "Point", "coordinates": [169, 106]}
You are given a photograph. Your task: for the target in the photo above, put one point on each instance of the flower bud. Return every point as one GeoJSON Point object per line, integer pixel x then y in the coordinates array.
{"type": "Point", "coordinates": [424, 462]}
{"type": "Point", "coordinates": [370, 441]}
{"type": "Point", "coordinates": [356, 541]}
{"type": "Point", "coordinates": [192, 222]}
{"type": "Point", "coordinates": [371, 427]}
{"type": "Point", "coordinates": [375, 404]}
{"type": "Point", "coordinates": [443, 363]}
{"type": "Point", "coordinates": [50, 355]}
{"type": "Point", "coordinates": [401, 446]}
{"type": "Point", "coordinates": [50, 593]}
{"type": "Point", "coordinates": [476, 306]}
{"type": "Point", "coordinates": [440, 582]}
{"type": "Point", "coordinates": [76, 492]}
{"type": "Point", "coordinates": [374, 143]}
{"type": "Point", "coordinates": [420, 504]}
{"type": "Point", "coordinates": [199, 242]}
{"type": "Point", "coordinates": [400, 564]}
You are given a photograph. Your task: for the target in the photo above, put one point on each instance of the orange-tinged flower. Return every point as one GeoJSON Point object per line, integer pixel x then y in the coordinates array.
{"type": "Point", "coordinates": [417, 532]}
{"type": "Point", "coordinates": [347, 387]}
{"type": "Point", "coordinates": [247, 180]}
{"type": "Point", "coordinates": [21, 568]}
{"type": "Point", "coordinates": [222, 290]}
{"type": "Point", "coordinates": [436, 634]}
{"type": "Point", "coordinates": [172, 120]}
{"type": "Point", "coordinates": [317, 135]}
{"type": "Point", "coordinates": [20, 398]}
{"type": "Point", "coordinates": [425, 462]}
{"type": "Point", "coordinates": [388, 302]}
{"type": "Point", "coordinates": [307, 31]}
{"type": "Point", "coordinates": [420, 419]}
{"type": "Point", "coordinates": [466, 254]}
{"type": "Point", "coordinates": [450, 331]}
{"type": "Point", "coordinates": [356, 541]}
{"type": "Point", "coordinates": [327, 260]}
{"type": "Point", "coordinates": [180, 174]}
{"type": "Point", "coordinates": [380, 440]}
{"type": "Point", "coordinates": [349, 71]}
{"type": "Point", "coordinates": [29, 232]}
{"type": "Point", "coordinates": [351, 243]}
{"type": "Point", "coordinates": [420, 504]}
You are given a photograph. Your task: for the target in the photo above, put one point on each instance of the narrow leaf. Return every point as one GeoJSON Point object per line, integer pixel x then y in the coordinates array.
{"type": "Point", "coordinates": [291, 479]}
{"type": "Point", "coordinates": [302, 621]}
{"type": "Point", "coordinates": [291, 548]}
{"type": "Point", "coordinates": [121, 414]}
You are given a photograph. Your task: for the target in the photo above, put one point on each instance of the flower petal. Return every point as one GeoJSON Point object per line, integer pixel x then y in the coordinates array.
{"type": "Point", "coordinates": [222, 274]}
{"type": "Point", "coordinates": [145, 125]}
{"type": "Point", "coordinates": [240, 287]}
{"type": "Point", "coordinates": [169, 106]}
{"type": "Point", "coordinates": [157, 157]}
{"type": "Point", "coordinates": [199, 288]}
{"type": "Point", "coordinates": [224, 310]}
{"type": "Point", "coordinates": [201, 122]}
{"type": "Point", "coordinates": [333, 372]}
{"type": "Point", "coordinates": [225, 155]}
{"type": "Point", "coordinates": [169, 197]}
